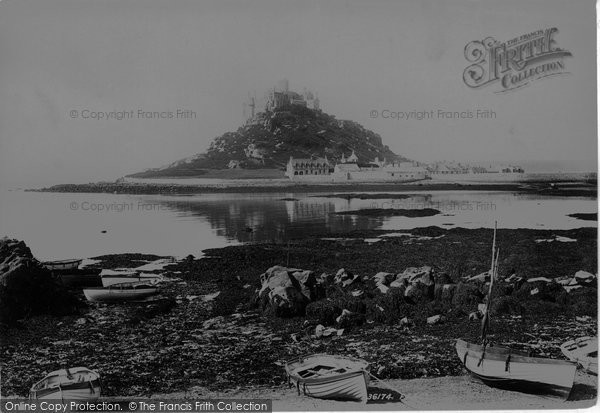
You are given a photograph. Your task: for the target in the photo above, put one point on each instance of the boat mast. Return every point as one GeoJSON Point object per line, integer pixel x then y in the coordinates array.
{"type": "Point", "coordinates": [493, 269]}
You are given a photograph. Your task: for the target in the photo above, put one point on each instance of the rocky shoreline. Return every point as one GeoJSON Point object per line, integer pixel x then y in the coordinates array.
{"type": "Point", "coordinates": [568, 188]}
{"type": "Point", "coordinates": [213, 331]}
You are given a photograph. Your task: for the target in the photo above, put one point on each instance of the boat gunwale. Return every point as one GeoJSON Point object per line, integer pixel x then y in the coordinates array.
{"type": "Point", "coordinates": [328, 379]}
{"type": "Point", "coordinates": [362, 367]}
{"type": "Point", "coordinates": [491, 354]}
{"type": "Point", "coordinates": [63, 372]}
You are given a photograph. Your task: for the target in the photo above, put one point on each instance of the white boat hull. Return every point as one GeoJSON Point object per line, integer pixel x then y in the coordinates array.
{"type": "Point", "coordinates": [79, 383]}
{"type": "Point", "coordinates": [505, 368]}
{"type": "Point", "coordinates": [114, 294]}
{"type": "Point", "coordinates": [352, 387]}
{"type": "Point", "coordinates": [343, 378]}
{"type": "Point", "coordinates": [582, 351]}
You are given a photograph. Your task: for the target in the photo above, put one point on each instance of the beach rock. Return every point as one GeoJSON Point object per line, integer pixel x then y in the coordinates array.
{"type": "Point", "coordinates": [513, 278]}
{"type": "Point", "coordinates": [345, 278]}
{"type": "Point", "coordinates": [466, 295]}
{"type": "Point", "coordinates": [350, 319]}
{"type": "Point", "coordinates": [443, 278]}
{"type": "Point", "coordinates": [585, 278]}
{"type": "Point", "coordinates": [27, 288]}
{"type": "Point", "coordinates": [406, 322]}
{"type": "Point", "coordinates": [416, 292]}
{"type": "Point", "coordinates": [323, 311]}
{"type": "Point", "coordinates": [287, 291]}
{"type": "Point", "coordinates": [383, 280]}
{"type": "Point", "coordinates": [420, 275]}
{"type": "Point", "coordinates": [436, 319]}
{"type": "Point", "coordinates": [444, 292]}
{"type": "Point", "coordinates": [475, 315]}
{"type": "Point", "coordinates": [399, 283]}
{"type": "Point", "coordinates": [481, 278]}
{"type": "Point", "coordinates": [539, 279]}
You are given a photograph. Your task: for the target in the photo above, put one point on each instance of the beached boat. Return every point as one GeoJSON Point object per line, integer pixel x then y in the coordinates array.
{"type": "Point", "coordinates": [584, 351]}
{"type": "Point", "coordinates": [329, 377]}
{"type": "Point", "coordinates": [112, 279]}
{"type": "Point", "coordinates": [121, 292]}
{"type": "Point", "coordinates": [62, 264]}
{"type": "Point", "coordinates": [78, 383]}
{"type": "Point", "coordinates": [79, 277]}
{"type": "Point", "coordinates": [506, 368]}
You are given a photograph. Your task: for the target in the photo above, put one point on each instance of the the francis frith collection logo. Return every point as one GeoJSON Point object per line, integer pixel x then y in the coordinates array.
{"type": "Point", "coordinates": [514, 63]}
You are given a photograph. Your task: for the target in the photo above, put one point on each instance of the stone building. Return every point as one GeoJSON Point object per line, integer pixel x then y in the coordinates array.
{"type": "Point", "coordinates": [308, 167]}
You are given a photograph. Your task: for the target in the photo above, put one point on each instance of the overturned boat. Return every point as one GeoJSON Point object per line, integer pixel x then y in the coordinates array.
{"type": "Point", "coordinates": [329, 377]}
{"type": "Point", "coordinates": [121, 292]}
{"type": "Point", "coordinates": [583, 351]}
{"type": "Point", "coordinates": [78, 383]}
{"type": "Point", "coordinates": [62, 264]}
{"type": "Point", "coordinates": [509, 369]}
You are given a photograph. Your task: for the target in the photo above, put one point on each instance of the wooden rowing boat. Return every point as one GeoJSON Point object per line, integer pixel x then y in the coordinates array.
{"type": "Point", "coordinates": [62, 264]}
{"type": "Point", "coordinates": [79, 277]}
{"type": "Point", "coordinates": [502, 367]}
{"type": "Point", "coordinates": [584, 351]}
{"type": "Point", "coordinates": [121, 292]}
{"type": "Point", "coordinates": [505, 368]}
{"type": "Point", "coordinates": [329, 377]}
{"type": "Point", "coordinates": [78, 383]}
{"type": "Point", "coordinates": [111, 279]}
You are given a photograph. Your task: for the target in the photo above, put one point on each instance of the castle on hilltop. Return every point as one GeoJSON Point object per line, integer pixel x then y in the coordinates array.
{"type": "Point", "coordinates": [281, 97]}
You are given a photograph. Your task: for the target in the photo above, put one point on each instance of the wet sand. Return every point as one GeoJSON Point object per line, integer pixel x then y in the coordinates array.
{"type": "Point", "coordinates": [439, 393]}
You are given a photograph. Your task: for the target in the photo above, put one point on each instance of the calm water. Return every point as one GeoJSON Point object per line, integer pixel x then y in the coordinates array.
{"type": "Point", "coordinates": [59, 226]}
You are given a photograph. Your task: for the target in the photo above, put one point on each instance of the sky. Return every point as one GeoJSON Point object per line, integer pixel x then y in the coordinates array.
{"type": "Point", "coordinates": [57, 57]}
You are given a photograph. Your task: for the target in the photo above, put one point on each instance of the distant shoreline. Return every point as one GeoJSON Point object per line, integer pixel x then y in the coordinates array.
{"type": "Point", "coordinates": [564, 188]}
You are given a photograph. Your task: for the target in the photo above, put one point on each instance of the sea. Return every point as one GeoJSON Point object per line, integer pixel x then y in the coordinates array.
{"type": "Point", "coordinates": [79, 225]}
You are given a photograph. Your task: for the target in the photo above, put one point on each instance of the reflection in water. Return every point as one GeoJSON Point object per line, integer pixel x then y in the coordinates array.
{"type": "Point", "coordinates": [270, 218]}
{"type": "Point", "coordinates": [57, 225]}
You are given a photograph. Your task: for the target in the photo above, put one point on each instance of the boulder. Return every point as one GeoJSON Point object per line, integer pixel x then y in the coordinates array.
{"type": "Point", "coordinates": [406, 322]}
{"type": "Point", "coordinates": [584, 275]}
{"type": "Point", "coordinates": [27, 288]}
{"type": "Point", "coordinates": [414, 275]}
{"type": "Point", "coordinates": [585, 278]}
{"type": "Point", "coordinates": [416, 292]}
{"type": "Point", "coordinates": [466, 295]}
{"type": "Point", "coordinates": [349, 319]}
{"type": "Point", "coordinates": [436, 319]}
{"type": "Point", "coordinates": [323, 311]}
{"type": "Point", "coordinates": [287, 291]}
{"type": "Point", "coordinates": [475, 315]}
{"type": "Point", "coordinates": [345, 278]}
{"type": "Point", "coordinates": [444, 292]}
{"type": "Point", "coordinates": [383, 280]}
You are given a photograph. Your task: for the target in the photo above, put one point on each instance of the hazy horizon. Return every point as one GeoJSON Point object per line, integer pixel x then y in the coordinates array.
{"type": "Point", "coordinates": [65, 55]}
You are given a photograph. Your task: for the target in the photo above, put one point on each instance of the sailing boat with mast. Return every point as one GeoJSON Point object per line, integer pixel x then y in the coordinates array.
{"type": "Point", "coordinates": [506, 368]}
